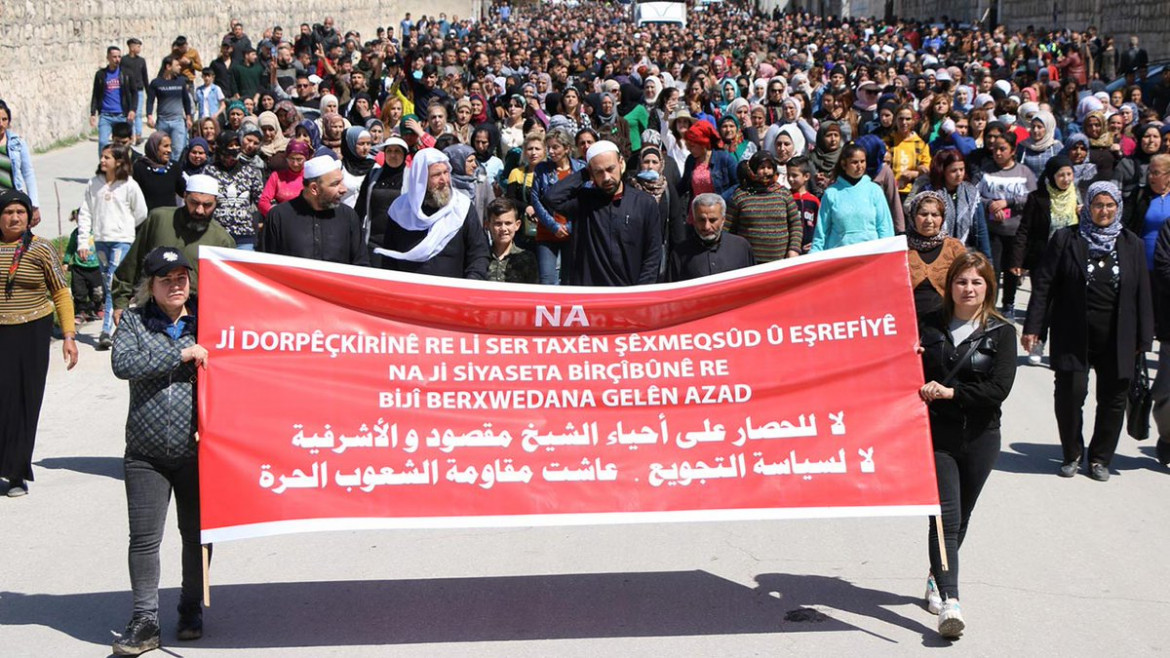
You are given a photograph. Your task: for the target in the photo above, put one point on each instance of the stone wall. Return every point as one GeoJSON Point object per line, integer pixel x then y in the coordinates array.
{"type": "Point", "coordinates": [1149, 19]}
{"type": "Point", "coordinates": [51, 48]}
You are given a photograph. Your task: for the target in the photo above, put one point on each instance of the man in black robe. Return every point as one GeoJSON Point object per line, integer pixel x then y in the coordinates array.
{"type": "Point", "coordinates": [616, 235]}
{"type": "Point", "coordinates": [316, 224]}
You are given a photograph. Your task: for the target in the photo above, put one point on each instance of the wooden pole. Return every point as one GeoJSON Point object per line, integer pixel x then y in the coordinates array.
{"type": "Point", "coordinates": [942, 546]}
{"type": "Point", "coordinates": [207, 580]}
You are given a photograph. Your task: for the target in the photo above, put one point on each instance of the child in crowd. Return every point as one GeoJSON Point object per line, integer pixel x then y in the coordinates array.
{"type": "Point", "coordinates": [209, 99]}
{"type": "Point", "coordinates": [800, 171]}
{"type": "Point", "coordinates": [86, 278]}
{"type": "Point", "coordinates": [508, 262]}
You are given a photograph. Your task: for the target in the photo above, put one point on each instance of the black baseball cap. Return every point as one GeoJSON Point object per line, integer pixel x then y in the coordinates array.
{"type": "Point", "coordinates": [163, 260]}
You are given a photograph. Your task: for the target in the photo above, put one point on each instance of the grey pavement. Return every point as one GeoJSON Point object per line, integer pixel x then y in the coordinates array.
{"type": "Point", "coordinates": [1050, 566]}
{"type": "Point", "coordinates": [61, 178]}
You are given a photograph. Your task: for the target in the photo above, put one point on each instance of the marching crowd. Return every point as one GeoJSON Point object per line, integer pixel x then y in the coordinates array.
{"type": "Point", "coordinates": [567, 146]}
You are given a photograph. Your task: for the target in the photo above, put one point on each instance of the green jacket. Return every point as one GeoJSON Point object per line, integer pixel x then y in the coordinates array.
{"type": "Point", "coordinates": [165, 227]}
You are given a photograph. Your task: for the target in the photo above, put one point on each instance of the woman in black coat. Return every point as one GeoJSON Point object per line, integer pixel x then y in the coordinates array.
{"type": "Point", "coordinates": [969, 362]}
{"type": "Point", "coordinates": [1091, 293]}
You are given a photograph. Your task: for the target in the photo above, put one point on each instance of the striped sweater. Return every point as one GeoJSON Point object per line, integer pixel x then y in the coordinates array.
{"type": "Point", "coordinates": [38, 279]}
{"type": "Point", "coordinates": [768, 219]}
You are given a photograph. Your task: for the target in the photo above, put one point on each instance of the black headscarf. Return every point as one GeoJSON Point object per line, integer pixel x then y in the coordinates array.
{"type": "Point", "coordinates": [631, 99]}
{"type": "Point", "coordinates": [7, 198]}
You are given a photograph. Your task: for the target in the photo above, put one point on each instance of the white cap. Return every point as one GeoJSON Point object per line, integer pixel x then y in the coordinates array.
{"type": "Point", "coordinates": [943, 76]}
{"type": "Point", "coordinates": [321, 165]}
{"type": "Point", "coordinates": [604, 146]}
{"type": "Point", "coordinates": [1004, 86]}
{"type": "Point", "coordinates": [315, 79]}
{"type": "Point", "coordinates": [202, 184]}
{"type": "Point", "coordinates": [394, 140]}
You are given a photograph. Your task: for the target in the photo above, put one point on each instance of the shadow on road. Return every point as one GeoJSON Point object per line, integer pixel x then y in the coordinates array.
{"type": "Point", "coordinates": [1045, 459]}
{"type": "Point", "coordinates": [677, 603]}
{"type": "Point", "coordinates": [110, 467]}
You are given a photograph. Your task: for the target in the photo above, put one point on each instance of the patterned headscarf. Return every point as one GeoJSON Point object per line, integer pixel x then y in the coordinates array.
{"type": "Point", "coordinates": [1101, 239]}
{"type": "Point", "coordinates": [916, 240]}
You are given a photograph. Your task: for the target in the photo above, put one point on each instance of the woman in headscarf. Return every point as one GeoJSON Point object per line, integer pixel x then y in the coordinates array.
{"type": "Point", "coordinates": [285, 184]}
{"type": "Point", "coordinates": [708, 168]}
{"type": "Point", "coordinates": [1041, 144]}
{"type": "Point", "coordinates": [610, 126]}
{"type": "Point", "coordinates": [470, 177]}
{"type": "Point", "coordinates": [826, 152]}
{"type": "Point", "coordinates": [728, 91]}
{"type": "Point", "coordinates": [784, 143]}
{"type": "Point", "coordinates": [288, 116]}
{"type": "Point", "coordinates": [634, 112]}
{"type": "Point", "coordinates": [881, 174]}
{"type": "Point", "coordinates": [1091, 294]}
{"type": "Point", "coordinates": [552, 229]}
{"type": "Point", "coordinates": [272, 138]}
{"type": "Point", "coordinates": [195, 160]}
{"type": "Point", "coordinates": [361, 109]}
{"type": "Point", "coordinates": [155, 174]}
{"type": "Point", "coordinates": [377, 132]}
{"type": "Point", "coordinates": [356, 162]}
{"type": "Point", "coordinates": [34, 287]}
{"type": "Point", "coordinates": [1103, 150]}
{"type": "Point", "coordinates": [742, 111]}
{"type": "Point", "coordinates": [651, 178]}
{"type": "Point", "coordinates": [1077, 148]}
{"type": "Point", "coordinates": [462, 126]}
{"type": "Point", "coordinates": [307, 132]}
{"type": "Point", "coordinates": [332, 132]}
{"type": "Point", "coordinates": [931, 250]}
{"type": "Point", "coordinates": [485, 141]}
{"type": "Point", "coordinates": [479, 109]}
{"type": "Point", "coordinates": [792, 112]}
{"type": "Point", "coordinates": [763, 212]}
{"type": "Point", "coordinates": [1131, 171]}
{"type": "Point", "coordinates": [379, 190]}
{"type": "Point", "coordinates": [966, 220]}
{"type": "Point", "coordinates": [651, 88]}
{"type": "Point", "coordinates": [739, 147]}
{"type": "Point", "coordinates": [1053, 206]}
{"type": "Point", "coordinates": [853, 209]}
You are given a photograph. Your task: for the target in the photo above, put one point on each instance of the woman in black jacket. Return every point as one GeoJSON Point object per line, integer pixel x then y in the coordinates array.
{"type": "Point", "coordinates": [1091, 292]}
{"type": "Point", "coordinates": [969, 362]}
{"type": "Point", "coordinates": [155, 349]}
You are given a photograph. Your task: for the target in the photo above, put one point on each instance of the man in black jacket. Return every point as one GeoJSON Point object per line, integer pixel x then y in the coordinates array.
{"type": "Point", "coordinates": [114, 99]}
{"type": "Point", "coordinates": [708, 249]}
{"type": "Point", "coordinates": [616, 239]}
{"type": "Point", "coordinates": [135, 67]}
{"type": "Point", "coordinates": [316, 224]}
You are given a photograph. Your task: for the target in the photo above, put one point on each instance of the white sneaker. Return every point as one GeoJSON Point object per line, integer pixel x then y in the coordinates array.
{"type": "Point", "coordinates": [950, 620]}
{"type": "Point", "coordinates": [933, 597]}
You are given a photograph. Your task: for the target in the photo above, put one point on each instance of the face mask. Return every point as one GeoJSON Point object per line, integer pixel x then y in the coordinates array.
{"type": "Point", "coordinates": [649, 175]}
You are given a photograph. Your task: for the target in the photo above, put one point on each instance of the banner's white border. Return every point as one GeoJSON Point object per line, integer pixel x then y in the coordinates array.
{"type": "Point", "coordinates": [870, 248]}
{"type": "Point", "coordinates": [273, 528]}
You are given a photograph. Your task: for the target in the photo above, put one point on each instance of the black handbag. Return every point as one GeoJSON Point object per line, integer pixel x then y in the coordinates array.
{"type": "Point", "coordinates": [1137, 422]}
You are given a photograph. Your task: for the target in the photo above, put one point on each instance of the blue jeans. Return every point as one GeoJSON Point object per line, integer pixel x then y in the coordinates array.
{"type": "Point", "coordinates": [106, 128]}
{"type": "Point", "coordinates": [177, 129]}
{"type": "Point", "coordinates": [547, 256]}
{"type": "Point", "coordinates": [247, 243]}
{"type": "Point", "coordinates": [149, 484]}
{"type": "Point", "coordinates": [110, 254]}
{"type": "Point", "coordinates": [139, 113]}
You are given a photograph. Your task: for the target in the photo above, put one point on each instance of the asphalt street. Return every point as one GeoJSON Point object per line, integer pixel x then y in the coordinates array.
{"type": "Point", "coordinates": [1051, 566]}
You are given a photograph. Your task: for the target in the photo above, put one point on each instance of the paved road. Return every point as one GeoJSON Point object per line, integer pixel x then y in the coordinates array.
{"type": "Point", "coordinates": [1050, 566]}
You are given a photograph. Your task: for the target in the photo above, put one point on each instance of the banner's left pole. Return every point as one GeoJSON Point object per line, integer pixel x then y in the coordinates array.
{"type": "Point", "coordinates": [207, 576]}
{"type": "Point", "coordinates": [942, 548]}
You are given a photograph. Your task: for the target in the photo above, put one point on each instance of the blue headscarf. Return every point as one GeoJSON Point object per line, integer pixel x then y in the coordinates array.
{"type": "Point", "coordinates": [875, 153]}
{"type": "Point", "coordinates": [1101, 239]}
{"type": "Point", "coordinates": [314, 132]}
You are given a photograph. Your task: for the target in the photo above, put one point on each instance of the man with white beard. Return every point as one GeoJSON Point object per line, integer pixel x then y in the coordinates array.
{"type": "Point", "coordinates": [316, 224]}
{"type": "Point", "coordinates": [434, 229]}
{"type": "Point", "coordinates": [708, 249]}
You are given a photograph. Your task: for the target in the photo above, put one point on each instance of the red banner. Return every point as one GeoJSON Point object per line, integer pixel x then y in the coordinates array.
{"type": "Point", "coordinates": [341, 397]}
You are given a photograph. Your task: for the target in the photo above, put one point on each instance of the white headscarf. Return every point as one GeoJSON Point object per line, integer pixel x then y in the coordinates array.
{"type": "Point", "coordinates": [794, 134]}
{"type": "Point", "coordinates": [406, 211]}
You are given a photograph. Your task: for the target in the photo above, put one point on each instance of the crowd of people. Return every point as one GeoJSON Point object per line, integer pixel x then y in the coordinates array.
{"type": "Point", "coordinates": [567, 145]}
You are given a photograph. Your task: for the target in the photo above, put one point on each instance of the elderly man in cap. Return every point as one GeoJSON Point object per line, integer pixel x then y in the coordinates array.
{"type": "Point", "coordinates": [433, 228]}
{"type": "Point", "coordinates": [316, 224]}
{"type": "Point", "coordinates": [617, 235]}
{"type": "Point", "coordinates": [185, 228]}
